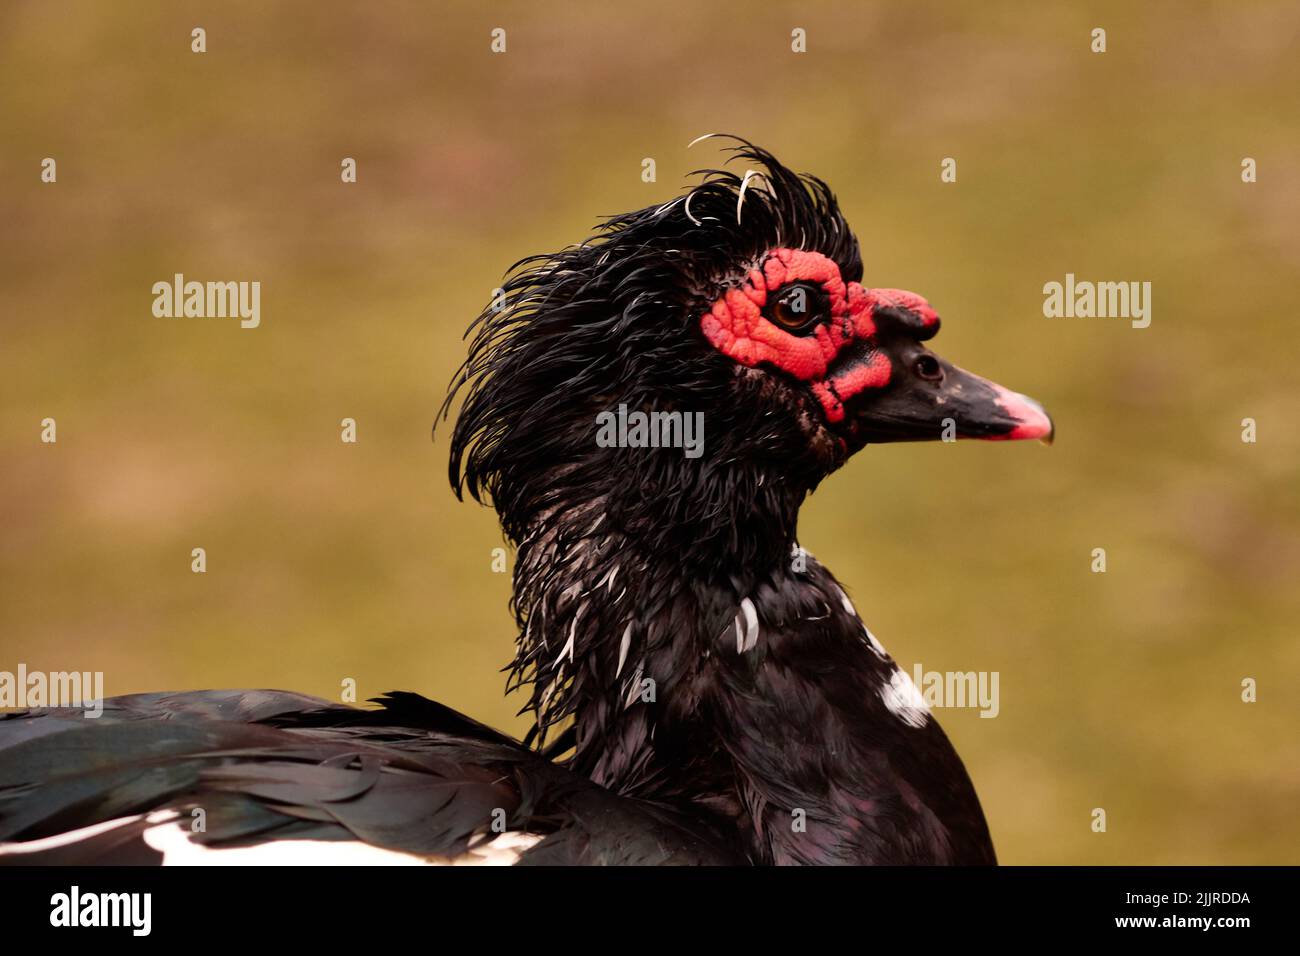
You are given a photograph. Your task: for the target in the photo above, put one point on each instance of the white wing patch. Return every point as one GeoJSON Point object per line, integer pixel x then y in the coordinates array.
{"type": "Point", "coordinates": [904, 701]}
{"type": "Point", "coordinates": [63, 839]}
{"type": "Point", "coordinates": [174, 844]}
{"type": "Point", "coordinates": [170, 838]}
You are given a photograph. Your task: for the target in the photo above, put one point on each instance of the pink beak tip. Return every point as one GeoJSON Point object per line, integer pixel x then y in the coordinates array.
{"type": "Point", "coordinates": [1033, 418]}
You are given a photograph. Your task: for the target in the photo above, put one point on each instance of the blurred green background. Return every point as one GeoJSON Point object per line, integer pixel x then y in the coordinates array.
{"type": "Point", "coordinates": [328, 561]}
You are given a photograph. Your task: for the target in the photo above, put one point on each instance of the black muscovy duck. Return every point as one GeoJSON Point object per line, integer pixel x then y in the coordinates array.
{"type": "Point", "coordinates": [703, 690]}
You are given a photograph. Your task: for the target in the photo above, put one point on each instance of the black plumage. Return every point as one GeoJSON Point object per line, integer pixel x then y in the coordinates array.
{"type": "Point", "coordinates": [702, 690]}
{"type": "Point", "coordinates": [411, 776]}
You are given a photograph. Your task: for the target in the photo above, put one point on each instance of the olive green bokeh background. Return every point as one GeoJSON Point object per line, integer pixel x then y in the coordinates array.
{"type": "Point", "coordinates": [329, 561]}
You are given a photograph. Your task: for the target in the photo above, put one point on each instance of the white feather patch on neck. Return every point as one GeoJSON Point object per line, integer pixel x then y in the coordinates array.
{"type": "Point", "coordinates": [902, 699]}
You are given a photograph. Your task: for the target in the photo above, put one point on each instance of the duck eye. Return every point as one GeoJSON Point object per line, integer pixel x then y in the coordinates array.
{"type": "Point", "coordinates": [798, 307]}
{"type": "Point", "coordinates": [928, 368]}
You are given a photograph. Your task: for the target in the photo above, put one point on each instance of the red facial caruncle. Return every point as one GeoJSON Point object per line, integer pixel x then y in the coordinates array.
{"type": "Point", "coordinates": [738, 327]}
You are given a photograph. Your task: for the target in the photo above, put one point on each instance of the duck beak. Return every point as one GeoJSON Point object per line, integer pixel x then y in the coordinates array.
{"type": "Point", "coordinates": [1033, 420]}
{"type": "Point", "coordinates": [957, 404]}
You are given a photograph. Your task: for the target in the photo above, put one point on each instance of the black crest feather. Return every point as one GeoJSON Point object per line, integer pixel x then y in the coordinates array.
{"type": "Point", "coordinates": [615, 318]}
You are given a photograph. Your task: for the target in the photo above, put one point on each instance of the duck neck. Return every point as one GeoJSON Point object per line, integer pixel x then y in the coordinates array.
{"type": "Point", "coordinates": [744, 687]}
